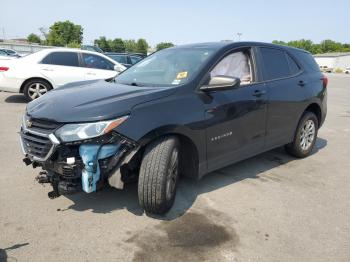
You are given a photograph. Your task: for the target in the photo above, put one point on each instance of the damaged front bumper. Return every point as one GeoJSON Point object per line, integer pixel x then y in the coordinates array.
{"type": "Point", "coordinates": [85, 165]}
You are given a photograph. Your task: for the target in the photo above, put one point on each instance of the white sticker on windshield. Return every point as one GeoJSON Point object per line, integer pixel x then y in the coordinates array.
{"type": "Point", "coordinates": [176, 82]}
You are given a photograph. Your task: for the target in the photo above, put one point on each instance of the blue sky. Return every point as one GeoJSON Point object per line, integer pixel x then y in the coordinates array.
{"type": "Point", "coordinates": [184, 21]}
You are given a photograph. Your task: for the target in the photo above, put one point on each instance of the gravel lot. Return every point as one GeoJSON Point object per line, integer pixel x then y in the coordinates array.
{"type": "Point", "coordinates": [268, 208]}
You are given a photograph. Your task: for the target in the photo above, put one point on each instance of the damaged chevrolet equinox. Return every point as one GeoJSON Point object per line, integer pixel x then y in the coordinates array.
{"type": "Point", "coordinates": [183, 111]}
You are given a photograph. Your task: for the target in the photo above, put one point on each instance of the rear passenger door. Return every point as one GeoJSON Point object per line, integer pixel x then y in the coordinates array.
{"type": "Point", "coordinates": [62, 68]}
{"type": "Point", "coordinates": [285, 84]}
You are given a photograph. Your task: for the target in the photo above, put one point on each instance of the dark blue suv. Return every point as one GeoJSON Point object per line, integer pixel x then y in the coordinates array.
{"type": "Point", "coordinates": [182, 111]}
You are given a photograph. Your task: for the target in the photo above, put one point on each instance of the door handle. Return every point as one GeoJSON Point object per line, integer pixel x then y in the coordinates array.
{"type": "Point", "coordinates": [259, 93]}
{"type": "Point", "coordinates": [47, 69]}
{"type": "Point", "coordinates": [92, 74]}
{"type": "Point", "coordinates": [302, 83]}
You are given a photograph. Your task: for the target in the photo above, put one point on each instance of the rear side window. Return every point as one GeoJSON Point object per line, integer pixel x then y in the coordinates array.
{"type": "Point", "coordinates": [294, 68]}
{"type": "Point", "coordinates": [61, 58]}
{"type": "Point", "coordinates": [307, 60]}
{"type": "Point", "coordinates": [275, 63]}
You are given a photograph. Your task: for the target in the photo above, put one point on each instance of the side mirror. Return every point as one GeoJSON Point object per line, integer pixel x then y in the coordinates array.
{"type": "Point", "coordinates": [218, 83]}
{"type": "Point", "coordinates": [118, 68]}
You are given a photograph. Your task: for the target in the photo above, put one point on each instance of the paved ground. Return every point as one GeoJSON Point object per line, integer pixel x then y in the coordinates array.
{"type": "Point", "coordinates": [268, 208]}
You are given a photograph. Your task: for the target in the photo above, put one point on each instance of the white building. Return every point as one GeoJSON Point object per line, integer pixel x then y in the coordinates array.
{"type": "Point", "coordinates": [333, 60]}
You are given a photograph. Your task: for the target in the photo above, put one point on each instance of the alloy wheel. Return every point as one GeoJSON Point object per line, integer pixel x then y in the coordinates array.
{"type": "Point", "coordinates": [307, 135]}
{"type": "Point", "coordinates": [36, 90]}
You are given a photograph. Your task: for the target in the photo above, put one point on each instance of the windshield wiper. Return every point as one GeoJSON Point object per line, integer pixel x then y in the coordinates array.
{"type": "Point", "coordinates": [135, 84]}
{"type": "Point", "coordinates": [131, 84]}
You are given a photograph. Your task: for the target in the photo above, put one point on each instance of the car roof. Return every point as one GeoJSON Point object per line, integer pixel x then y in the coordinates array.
{"type": "Point", "coordinates": [231, 44]}
{"type": "Point", "coordinates": [124, 53]}
{"type": "Point", "coordinates": [65, 49]}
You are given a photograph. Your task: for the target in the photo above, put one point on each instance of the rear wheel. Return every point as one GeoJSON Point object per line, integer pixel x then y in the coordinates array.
{"type": "Point", "coordinates": [159, 173]}
{"type": "Point", "coordinates": [36, 88]}
{"type": "Point", "coordinates": [305, 136]}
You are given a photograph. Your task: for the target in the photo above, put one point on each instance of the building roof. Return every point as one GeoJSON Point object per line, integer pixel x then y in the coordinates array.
{"type": "Point", "coordinates": [335, 54]}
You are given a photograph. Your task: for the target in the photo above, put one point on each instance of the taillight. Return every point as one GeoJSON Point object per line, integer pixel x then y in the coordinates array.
{"type": "Point", "coordinates": [325, 81]}
{"type": "Point", "coordinates": [3, 68]}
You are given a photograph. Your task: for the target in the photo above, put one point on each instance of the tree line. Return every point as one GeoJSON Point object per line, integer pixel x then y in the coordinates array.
{"type": "Point", "coordinates": [127, 45]}
{"type": "Point", "coordinates": [326, 46]}
{"type": "Point", "coordinates": [66, 33]}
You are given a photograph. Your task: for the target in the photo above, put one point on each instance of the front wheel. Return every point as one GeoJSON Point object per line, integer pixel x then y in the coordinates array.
{"type": "Point", "coordinates": [305, 136]}
{"type": "Point", "coordinates": [36, 88]}
{"type": "Point", "coordinates": [159, 173]}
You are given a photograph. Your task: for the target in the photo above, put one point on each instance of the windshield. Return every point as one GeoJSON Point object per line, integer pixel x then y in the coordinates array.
{"type": "Point", "coordinates": [169, 67]}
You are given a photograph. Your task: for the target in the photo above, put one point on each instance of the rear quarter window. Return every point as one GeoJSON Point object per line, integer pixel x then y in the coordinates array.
{"type": "Point", "coordinates": [294, 68]}
{"type": "Point", "coordinates": [307, 61]}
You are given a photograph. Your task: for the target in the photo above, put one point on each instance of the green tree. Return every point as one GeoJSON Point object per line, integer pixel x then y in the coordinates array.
{"type": "Point", "coordinates": [33, 38]}
{"type": "Point", "coordinates": [277, 42]}
{"type": "Point", "coordinates": [64, 33]}
{"type": "Point", "coordinates": [141, 46]}
{"type": "Point", "coordinates": [164, 45]}
{"type": "Point", "coordinates": [118, 45]}
{"type": "Point", "coordinates": [324, 47]}
{"type": "Point", "coordinates": [103, 43]}
{"type": "Point", "coordinates": [302, 44]}
{"type": "Point", "coordinates": [316, 49]}
{"type": "Point", "coordinates": [130, 45]}
{"type": "Point", "coordinates": [331, 46]}
{"type": "Point", "coordinates": [74, 45]}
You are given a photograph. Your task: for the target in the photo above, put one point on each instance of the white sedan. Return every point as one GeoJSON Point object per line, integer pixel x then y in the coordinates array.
{"type": "Point", "coordinates": [38, 73]}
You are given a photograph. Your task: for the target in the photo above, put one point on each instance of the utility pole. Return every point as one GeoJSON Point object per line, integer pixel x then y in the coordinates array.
{"type": "Point", "coordinates": [3, 33]}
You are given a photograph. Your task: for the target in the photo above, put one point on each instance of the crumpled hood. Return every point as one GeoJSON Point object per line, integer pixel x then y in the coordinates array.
{"type": "Point", "coordinates": [92, 101]}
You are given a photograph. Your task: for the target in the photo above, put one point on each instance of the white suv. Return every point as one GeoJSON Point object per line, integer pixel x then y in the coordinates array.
{"type": "Point", "coordinates": [38, 73]}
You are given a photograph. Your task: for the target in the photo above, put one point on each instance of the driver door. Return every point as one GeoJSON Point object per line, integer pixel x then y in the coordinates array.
{"type": "Point", "coordinates": [236, 118]}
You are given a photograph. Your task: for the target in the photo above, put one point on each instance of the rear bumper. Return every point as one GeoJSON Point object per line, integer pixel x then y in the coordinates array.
{"type": "Point", "coordinates": [8, 84]}
{"type": "Point", "coordinates": [324, 108]}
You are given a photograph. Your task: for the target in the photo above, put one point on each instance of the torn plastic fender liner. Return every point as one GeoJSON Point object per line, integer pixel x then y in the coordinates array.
{"type": "Point", "coordinates": [115, 179]}
{"type": "Point", "coordinates": [90, 154]}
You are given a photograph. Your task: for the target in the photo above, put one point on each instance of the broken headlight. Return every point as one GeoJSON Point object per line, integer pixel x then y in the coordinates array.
{"type": "Point", "coordinates": [74, 132]}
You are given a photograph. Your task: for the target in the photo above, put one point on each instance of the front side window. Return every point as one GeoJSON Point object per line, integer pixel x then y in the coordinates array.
{"type": "Point", "coordinates": [61, 58]}
{"type": "Point", "coordinates": [234, 65]}
{"type": "Point", "coordinates": [97, 62]}
{"type": "Point", "coordinates": [275, 63]}
{"type": "Point", "coordinates": [168, 67]}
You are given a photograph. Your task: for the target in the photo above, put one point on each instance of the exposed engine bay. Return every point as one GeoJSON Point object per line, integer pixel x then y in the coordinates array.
{"type": "Point", "coordinates": [85, 165]}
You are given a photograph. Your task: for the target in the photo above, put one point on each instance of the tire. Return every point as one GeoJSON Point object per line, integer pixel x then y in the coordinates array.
{"type": "Point", "coordinates": [305, 136]}
{"type": "Point", "coordinates": [36, 88]}
{"type": "Point", "coordinates": [159, 174]}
